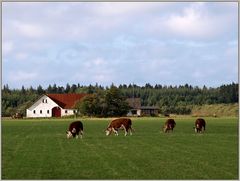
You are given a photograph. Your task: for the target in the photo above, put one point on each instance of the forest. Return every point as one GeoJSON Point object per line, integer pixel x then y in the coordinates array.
{"type": "Point", "coordinates": [169, 99]}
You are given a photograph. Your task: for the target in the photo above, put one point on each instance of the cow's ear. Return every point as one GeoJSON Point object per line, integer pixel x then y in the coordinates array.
{"type": "Point", "coordinates": [74, 130]}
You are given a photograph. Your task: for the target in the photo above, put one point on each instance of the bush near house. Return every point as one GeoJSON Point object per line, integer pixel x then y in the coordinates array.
{"type": "Point", "coordinates": [104, 104]}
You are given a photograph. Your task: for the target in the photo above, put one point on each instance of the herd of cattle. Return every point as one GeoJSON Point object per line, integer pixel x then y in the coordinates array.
{"type": "Point", "coordinates": [76, 128]}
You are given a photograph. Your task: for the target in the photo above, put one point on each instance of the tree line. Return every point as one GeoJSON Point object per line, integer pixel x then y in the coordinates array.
{"type": "Point", "coordinates": [110, 100]}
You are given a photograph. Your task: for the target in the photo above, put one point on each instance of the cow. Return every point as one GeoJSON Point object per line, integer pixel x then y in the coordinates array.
{"type": "Point", "coordinates": [17, 116]}
{"type": "Point", "coordinates": [166, 115]}
{"type": "Point", "coordinates": [199, 125]}
{"type": "Point", "coordinates": [119, 123]}
{"type": "Point", "coordinates": [74, 129]}
{"type": "Point", "coordinates": [169, 125]}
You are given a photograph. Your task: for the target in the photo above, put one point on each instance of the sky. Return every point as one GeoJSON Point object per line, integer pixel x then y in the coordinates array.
{"type": "Point", "coordinates": [163, 43]}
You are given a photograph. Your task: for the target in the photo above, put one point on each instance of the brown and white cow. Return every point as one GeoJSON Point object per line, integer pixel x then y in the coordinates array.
{"type": "Point", "coordinates": [169, 125]}
{"type": "Point", "coordinates": [119, 123]}
{"type": "Point", "coordinates": [74, 129]}
{"type": "Point", "coordinates": [17, 116]}
{"type": "Point", "coordinates": [199, 125]}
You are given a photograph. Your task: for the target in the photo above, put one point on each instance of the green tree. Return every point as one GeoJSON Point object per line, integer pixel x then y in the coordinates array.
{"type": "Point", "coordinates": [40, 90]}
{"type": "Point", "coordinates": [116, 103]}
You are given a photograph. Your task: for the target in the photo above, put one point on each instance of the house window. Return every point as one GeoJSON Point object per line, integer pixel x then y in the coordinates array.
{"type": "Point", "coordinates": [48, 111]}
{"type": "Point", "coordinates": [40, 111]}
{"type": "Point", "coordinates": [74, 111]}
{"type": "Point", "coordinates": [43, 101]}
{"type": "Point", "coordinates": [66, 111]}
{"type": "Point", "coordinates": [34, 112]}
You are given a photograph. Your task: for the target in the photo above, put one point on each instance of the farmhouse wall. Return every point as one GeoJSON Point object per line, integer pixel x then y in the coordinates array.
{"type": "Point", "coordinates": [42, 108]}
{"type": "Point", "coordinates": [50, 106]}
{"type": "Point", "coordinates": [67, 112]}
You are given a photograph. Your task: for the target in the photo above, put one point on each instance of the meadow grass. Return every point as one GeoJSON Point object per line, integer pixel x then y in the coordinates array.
{"type": "Point", "coordinates": [38, 149]}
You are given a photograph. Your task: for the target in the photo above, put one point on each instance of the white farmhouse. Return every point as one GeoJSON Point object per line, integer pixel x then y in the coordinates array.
{"type": "Point", "coordinates": [54, 105]}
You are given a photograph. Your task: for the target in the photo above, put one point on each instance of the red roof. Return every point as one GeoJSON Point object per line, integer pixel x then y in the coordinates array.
{"type": "Point", "coordinates": [66, 101]}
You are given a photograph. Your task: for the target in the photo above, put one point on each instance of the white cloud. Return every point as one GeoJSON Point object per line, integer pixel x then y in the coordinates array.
{"type": "Point", "coordinates": [96, 64]}
{"type": "Point", "coordinates": [99, 61]}
{"type": "Point", "coordinates": [117, 41]}
{"type": "Point", "coordinates": [21, 56]}
{"type": "Point", "coordinates": [232, 52]}
{"type": "Point", "coordinates": [22, 76]}
{"type": "Point", "coordinates": [7, 47]}
{"type": "Point", "coordinates": [29, 30]}
{"type": "Point", "coordinates": [193, 22]}
{"type": "Point", "coordinates": [233, 43]}
{"type": "Point", "coordinates": [124, 9]}
{"type": "Point", "coordinates": [198, 74]}
{"type": "Point", "coordinates": [95, 70]}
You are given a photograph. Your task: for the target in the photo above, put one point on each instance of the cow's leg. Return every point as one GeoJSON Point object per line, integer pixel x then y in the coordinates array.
{"type": "Point", "coordinates": [164, 129]}
{"type": "Point", "coordinates": [81, 134]}
{"type": "Point", "coordinates": [170, 128]}
{"type": "Point", "coordinates": [167, 129]}
{"type": "Point", "coordinates": [125, 130]}
{"type": "Point", "coordinates": [130, 130]}
{"type": "Point", "coordinates": [115, 131]}
{"type": "Point", "coordinates": [197, 128]}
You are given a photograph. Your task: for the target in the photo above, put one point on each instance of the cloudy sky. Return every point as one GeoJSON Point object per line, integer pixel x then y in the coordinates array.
{"type": "Point", "coordinates": [119, 42]}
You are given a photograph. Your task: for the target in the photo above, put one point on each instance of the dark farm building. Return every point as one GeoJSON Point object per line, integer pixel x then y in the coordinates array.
{"type": "Point", "coordinates": [138, 110]}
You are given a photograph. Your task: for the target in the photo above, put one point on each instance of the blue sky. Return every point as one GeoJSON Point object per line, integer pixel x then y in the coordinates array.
{"type": "Point", "coordinates": [119, 42]}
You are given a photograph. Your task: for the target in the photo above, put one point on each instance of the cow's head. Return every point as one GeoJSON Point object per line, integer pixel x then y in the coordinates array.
{"type": "Point", "coordinates": [70, 133]}
{"type": "Point", "coordinates": [197, 129]}
{"type": "Point", "coordinates": [165, 128]}
{"type": "Point", "coordinates": [108, 131]}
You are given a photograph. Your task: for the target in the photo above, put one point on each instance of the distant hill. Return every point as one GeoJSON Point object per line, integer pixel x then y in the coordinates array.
{"type": "Point", "coordinates": [216, 109]}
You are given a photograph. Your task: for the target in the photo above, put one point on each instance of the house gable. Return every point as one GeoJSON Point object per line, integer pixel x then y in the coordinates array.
{"type": "Point", "coordinates": [42, 101]}
{"type": "Point", "coordinates": [42, 107]}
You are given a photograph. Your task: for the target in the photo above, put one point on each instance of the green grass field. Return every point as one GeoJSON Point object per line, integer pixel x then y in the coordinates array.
{"type": "Point", "coordinates": [38, 149]}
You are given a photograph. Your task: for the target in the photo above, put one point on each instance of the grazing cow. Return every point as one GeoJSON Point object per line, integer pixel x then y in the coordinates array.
{"type": "Point", "coordinates": [119, 123]}
{"type": "Point", "coordinates": [169, 125]}
{"type": "Point", "coordinates": [17, 116]}
{"type": "Point", "coordinates": [166, 115]}
{"type": "Point", "coordinates": [74, 129]}
{"type": "Point", "coordinates": [199, 124]}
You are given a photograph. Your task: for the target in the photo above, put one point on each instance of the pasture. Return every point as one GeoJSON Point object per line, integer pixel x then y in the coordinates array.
{"type": "Point", "coordinates": [38, 149]}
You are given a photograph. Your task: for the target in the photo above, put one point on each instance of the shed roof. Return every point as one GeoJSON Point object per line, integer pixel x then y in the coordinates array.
{"type": "Point", "coordinates": [66, 101]}
{"type": "Point", "coordinates": [134, 103]}
{"type": "Point", "coordinates": [149, 108]}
